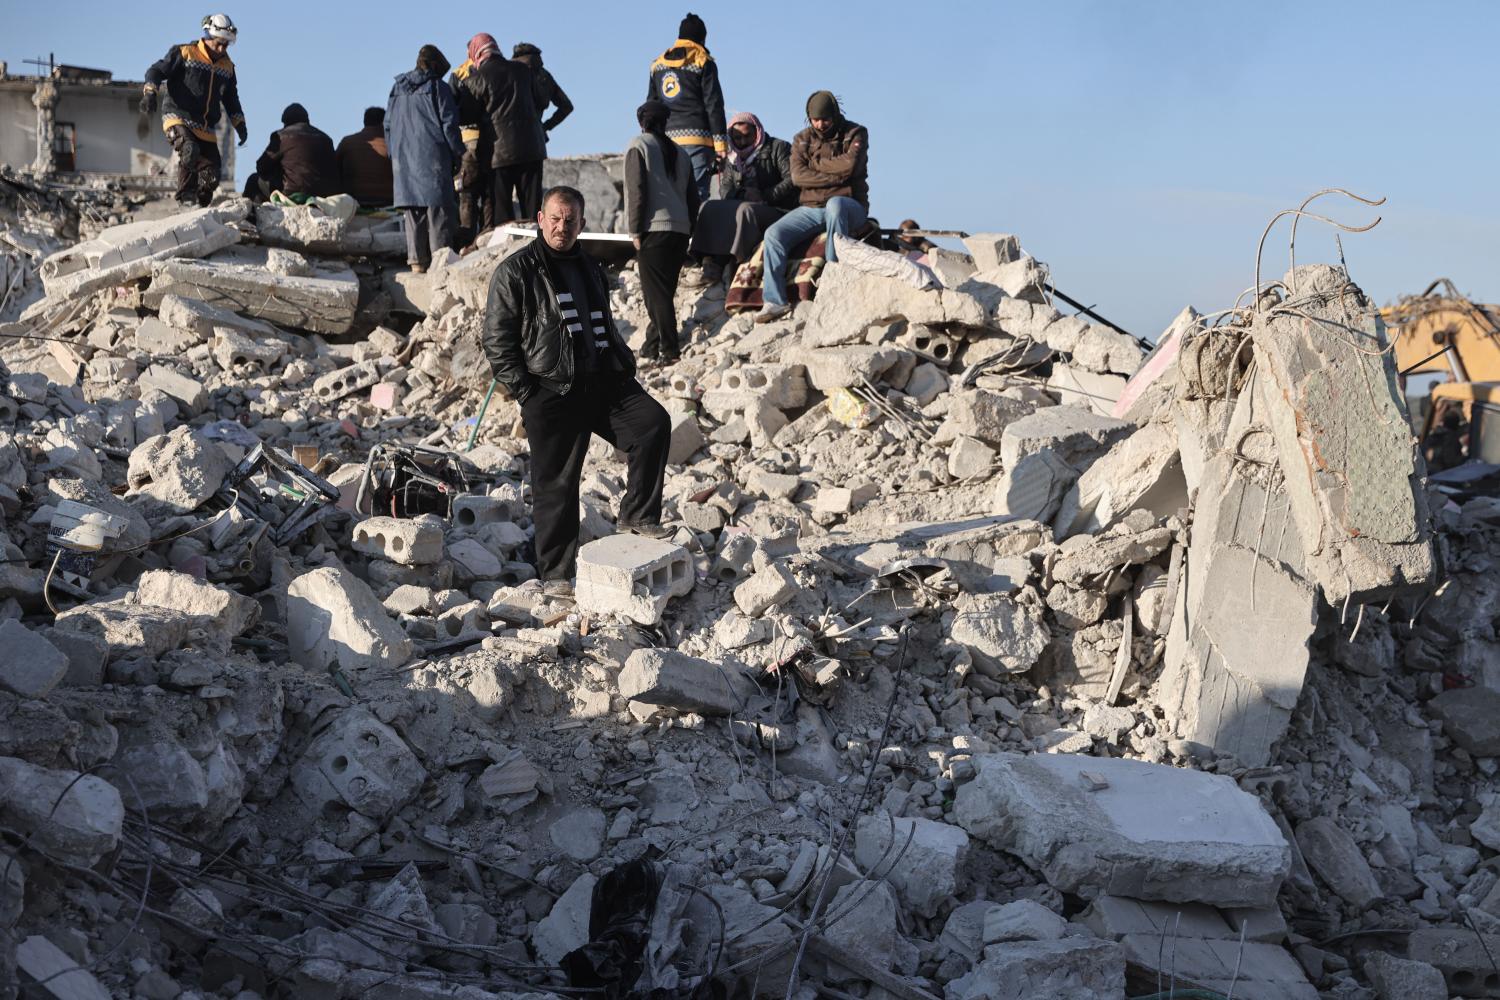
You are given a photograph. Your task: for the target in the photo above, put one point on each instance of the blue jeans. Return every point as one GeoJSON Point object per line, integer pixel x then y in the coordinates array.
{"type": "Point", "coordinates": [840, 216]}
{"type": "Point", "coordinates": [702, 158]}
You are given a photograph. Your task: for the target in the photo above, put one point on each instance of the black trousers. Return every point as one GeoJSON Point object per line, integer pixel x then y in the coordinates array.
{"type": "Point", "coordinates": [615, 407]}
{"type": "Point", "coordinates": [198, 164]}
{"type": "Point", "coordinates": [660, 263]}
{"type": "Point", "coordinates": [519, 182]}
{"type": "Point", "coordinates": [476, 201]}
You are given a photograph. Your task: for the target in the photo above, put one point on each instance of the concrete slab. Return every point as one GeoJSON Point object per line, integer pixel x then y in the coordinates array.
{"type": "Point", "coordinates": [242, 281]}
{"type": "Point", "coordinates": [1155, 832]}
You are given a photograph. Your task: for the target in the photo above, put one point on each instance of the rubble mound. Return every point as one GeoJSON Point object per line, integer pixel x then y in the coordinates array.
{"type": "Point", "coordinates": [992, 652]}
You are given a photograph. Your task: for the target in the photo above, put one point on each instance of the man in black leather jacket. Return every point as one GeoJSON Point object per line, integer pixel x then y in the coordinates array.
{"type": "Point", "coordinates": [552, 342]}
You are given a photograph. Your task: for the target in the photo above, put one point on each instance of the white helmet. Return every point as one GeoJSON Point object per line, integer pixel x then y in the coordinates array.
{"type": "Point", "coordinates": [221, 27]}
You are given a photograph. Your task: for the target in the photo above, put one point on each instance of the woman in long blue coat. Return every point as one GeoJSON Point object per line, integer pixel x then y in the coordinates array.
{"type": "Point", "coordinates": [421, 132]}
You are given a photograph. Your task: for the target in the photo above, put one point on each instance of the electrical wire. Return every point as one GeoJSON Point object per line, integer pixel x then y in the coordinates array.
{"type": "Point", "coordinates": [859, 804]}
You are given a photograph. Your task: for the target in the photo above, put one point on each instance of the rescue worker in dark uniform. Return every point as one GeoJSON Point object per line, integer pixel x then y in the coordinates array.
{"type": "Point", "coordinates": [194, 84]}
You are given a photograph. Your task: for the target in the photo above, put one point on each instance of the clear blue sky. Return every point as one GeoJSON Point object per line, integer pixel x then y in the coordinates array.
{"type": "Point", "coordinates": [1137, 147]}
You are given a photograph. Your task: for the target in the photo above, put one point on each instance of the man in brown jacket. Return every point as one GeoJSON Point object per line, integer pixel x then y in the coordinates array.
{"type": "Point", "coordinates": [830, 166]}
{"type": "Point", "coordinates": [365, 162]}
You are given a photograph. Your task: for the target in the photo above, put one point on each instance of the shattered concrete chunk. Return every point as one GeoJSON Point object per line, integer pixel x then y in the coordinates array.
{"type": "Point", "coordinates": [30, 666]}
{"type": "Point", "coordinates": [1142, 472]}
{"type": "Point", "coordinates": [1155, 832]}
{"type": "Point", "coordinates": [1402, 979]}
{"type": "Point", "coordinates": [1078, 967]}
{"type": "Point", "coordinates": [360, 762]}
{"type": "Point", "coordinates": [179, 470]}
{"type": "Point", "coordinates": [1034, 487]}
{"type": "Point", "coordinates": [73, 818]}
{"type": "Point", "coordinates": [922, 862]}
{"type": "Point", "coordinates": [1004, 636]}
{"type": "Point", "coordinates": [770, 586]}
{"type": "Point", "coordinates": [676, 680]}
{"type": "Point", "coordinates": [850, 300]}
{"type": "Point", "coordinates": [566, 927]}
{"type": "Point", "coordinates": [334, 619]}
{"type": "Point", "coordinates": [1335, 858]}
{"type": "Point", "coordinates": [219, 614]}
{"type": "Point", "coordinates": [43, 962]}
{"type": "Point", "coordinates": [868, 928]}
{"type": "Point", "coordinates": [1469, 718]}
{"type": "Point", "coordinates": [1075, 435]}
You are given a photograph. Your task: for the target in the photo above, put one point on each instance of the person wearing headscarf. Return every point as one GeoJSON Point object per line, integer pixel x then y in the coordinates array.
{"type": "Point", "coordinates": [661, 201]}
{"type": "Point", "coordinates": [421, 133]}
{"type": "Point", "coordinates": [686, 79]}
{"type": "Point", "coordinates": [548, 92]}
{"type": "Point", "coordinates": [755, 189]}
{"type": "Point", "coordinates": [475, 175]}
{"type": "Point", "coordinates": [299, 161]}
{"type": "Point", "coordinates": [830, 166]}
{"type": "Point", "coordinates": [511, 143]}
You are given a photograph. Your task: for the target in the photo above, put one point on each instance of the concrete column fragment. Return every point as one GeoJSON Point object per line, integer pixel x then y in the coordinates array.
{"type": "Point", "coordinates": [1342, 438]}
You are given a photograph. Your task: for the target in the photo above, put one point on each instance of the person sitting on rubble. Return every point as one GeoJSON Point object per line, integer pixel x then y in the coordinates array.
{"type": "Point", "coordinates": [365, 162]}
{"type": "Point", "coordinates": [906, 239]}
{"type": "Point", "coordinates": [755, 190]}
{"type": "Point", "coordinates": [552, 342]}
{"type": "Point", "coordinates": [830, 162]}
{"type": "Point", "coordinates": [661, 200]}
{"type": "Point", "coordinates": [686, 79]}
{"type": "Point", "coordinates": [196, 83]}
{"type": "Point", "coordinates": [421, 132]}
{"type": "Point", "coordinates": [299, 161]}
{"type": "Point", "coordinates": [545, 89]}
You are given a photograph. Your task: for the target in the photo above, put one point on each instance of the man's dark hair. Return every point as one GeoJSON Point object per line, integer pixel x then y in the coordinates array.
{"type": "Point", "coordinates": [294, 114]}
{"type": "Point", "coordinates": [563, 191]}
{"type": "Point", "coordinates": [374, 117]}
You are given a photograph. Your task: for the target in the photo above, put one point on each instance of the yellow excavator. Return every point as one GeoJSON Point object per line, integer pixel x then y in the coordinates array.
{"type": "Point", "coordinates": [1444, 333]}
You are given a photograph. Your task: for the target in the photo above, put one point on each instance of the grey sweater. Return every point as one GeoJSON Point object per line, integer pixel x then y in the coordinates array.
{"type": "Point", "coordinates": [654, 201]}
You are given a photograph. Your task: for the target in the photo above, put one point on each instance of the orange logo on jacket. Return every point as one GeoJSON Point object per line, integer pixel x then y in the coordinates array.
{"type": "Point", "coordinates": [670, 86]}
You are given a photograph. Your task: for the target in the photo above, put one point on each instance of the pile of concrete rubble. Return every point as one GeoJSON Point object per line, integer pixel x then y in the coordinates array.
{"type": "Point", "coordinates": [992, 655]}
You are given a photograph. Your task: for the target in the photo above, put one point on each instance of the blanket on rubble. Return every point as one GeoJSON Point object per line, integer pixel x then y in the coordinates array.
{"type": "Point", "coordinates": [805, 264]}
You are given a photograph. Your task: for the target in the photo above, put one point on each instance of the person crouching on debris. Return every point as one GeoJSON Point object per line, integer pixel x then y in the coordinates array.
{"type": "Point", "coordinates": [661, 201]}
{"type": "Point", "coordinates": [421, 133]}
{"type": "Point", "coordinates": [195, 84]}
{"type": "Point", "coordinates": [830, 161]}
{"type": "Point", "coordinates": [552, 341]}
{"type": "Point", "coordinates": [755, 190]}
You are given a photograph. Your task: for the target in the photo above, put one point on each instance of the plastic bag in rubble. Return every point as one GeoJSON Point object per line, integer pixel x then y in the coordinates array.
{"type": "Point", "coordinates": [649, 935]}
{"type": "Point", "coordinates": [851, 411]}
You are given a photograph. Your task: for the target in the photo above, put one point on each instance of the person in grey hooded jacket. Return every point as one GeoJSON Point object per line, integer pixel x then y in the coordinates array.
{"type": "Point", "coordinates": [421, 132]}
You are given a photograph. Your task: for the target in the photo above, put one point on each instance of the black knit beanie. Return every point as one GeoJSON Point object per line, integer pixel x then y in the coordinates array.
{"type": "Point", "coordinates": [693, 29]}
{"type": "Point", "coordinates": [653, 115]}
{"type": "Point", "coordinates": [822, 104]}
